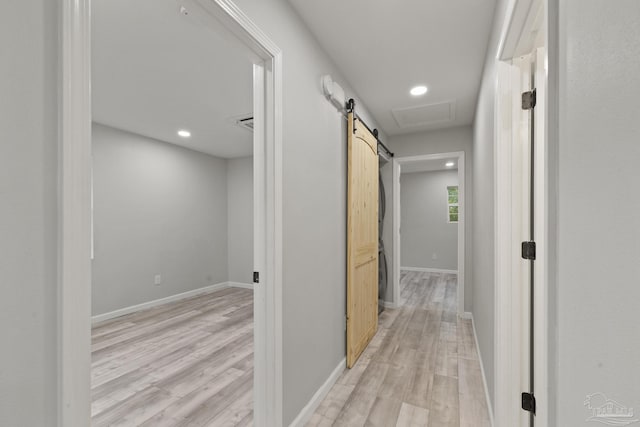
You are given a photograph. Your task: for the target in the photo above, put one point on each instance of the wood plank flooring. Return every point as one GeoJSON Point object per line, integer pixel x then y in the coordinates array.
{"type": "Point", "coordinates": [187, 363]}
{"type": "Point", "coordinates": [421, 369]}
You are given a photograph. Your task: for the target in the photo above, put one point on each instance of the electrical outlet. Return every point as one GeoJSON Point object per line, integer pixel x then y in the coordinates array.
{"type": "Point", "coordinates": [157, 279]}
{"type": "Point", "coordinates": [434, 256]}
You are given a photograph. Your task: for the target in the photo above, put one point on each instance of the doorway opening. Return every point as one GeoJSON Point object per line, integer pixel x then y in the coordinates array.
{"type": "Point", "coordinates": [263, 76]}
{"type": "Point", "coordinates": [429, 234]}
{"type": "Point", "coordinates": [172, 219]}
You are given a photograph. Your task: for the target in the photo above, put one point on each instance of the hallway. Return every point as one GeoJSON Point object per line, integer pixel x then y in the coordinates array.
{"type": "Point", "coordinates": [421, 368]}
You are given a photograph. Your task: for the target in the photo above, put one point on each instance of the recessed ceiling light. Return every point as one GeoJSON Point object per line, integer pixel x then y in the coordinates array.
{"type": "Point", "coordinates": [449, 164]}
{"type": "Point", "coordinates": [418, 90]}
{"type": "Point", "coordinates": [184, 133]}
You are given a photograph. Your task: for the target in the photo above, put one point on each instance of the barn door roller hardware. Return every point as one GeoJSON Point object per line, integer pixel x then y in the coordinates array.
{"type": "Point", "coordinates": [351, 108]}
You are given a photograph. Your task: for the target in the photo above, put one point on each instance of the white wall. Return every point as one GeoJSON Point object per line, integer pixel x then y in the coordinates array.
{"type": "Point", "coordinates": [158, 209]}
{"type": "Point", "coordinates": [596, 294]}
{"type": "Point", "coordinates": [28, 213]}
{"type": "Point", "coordinates": [439, 141]}
{"type": "Point", "coordinates": [424, 227]}
{"type": "Point", "coordinates": [240, 219]}
{"type": "Point", "coordinates": [483, 278]}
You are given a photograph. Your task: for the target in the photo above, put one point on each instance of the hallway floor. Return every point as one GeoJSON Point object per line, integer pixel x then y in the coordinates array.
{"type": "Point", "coordinates": [421, 368]}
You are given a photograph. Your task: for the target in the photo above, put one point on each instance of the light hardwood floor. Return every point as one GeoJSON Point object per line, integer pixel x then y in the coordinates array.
{"type": "Point", "coordinates": [421, 369]}
{"type": "Point", "coordinates": [187, 363]}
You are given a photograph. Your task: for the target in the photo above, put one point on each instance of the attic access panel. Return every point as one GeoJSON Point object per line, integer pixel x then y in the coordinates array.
{"type": "Point", "coordinates": [443, 112]}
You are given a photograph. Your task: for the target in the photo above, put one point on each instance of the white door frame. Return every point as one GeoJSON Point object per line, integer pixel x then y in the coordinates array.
{"type": "Point", "coordinates": [524, 29]}
{"type": "Point", "coordinates": [74, 279]}
{"type": "Point", "coordinates": [397, 170]}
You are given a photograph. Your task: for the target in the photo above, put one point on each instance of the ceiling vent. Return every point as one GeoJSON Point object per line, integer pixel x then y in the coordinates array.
{"type": "Point", "coordinates": [245, 122]}
{"type": "Point", "coordinates": [422, 115]}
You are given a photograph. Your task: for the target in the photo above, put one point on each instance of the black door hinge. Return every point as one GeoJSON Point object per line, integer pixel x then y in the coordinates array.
{"type": "Point", "coordinates": [528, 99]}
{"type": "Point", "coordinates": [529, 402]}
{"type": "Point", "coordinates": [529, 250]}
{"type": "Point", "coordinates": [256, 277]}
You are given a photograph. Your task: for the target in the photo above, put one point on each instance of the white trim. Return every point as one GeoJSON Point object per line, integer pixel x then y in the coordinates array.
{"type": "Point", "coordinates": [160, 301]}
{"type": "Point", "coordinates": [397, 170]}
{"type": "Point", "coordinates": [469, 315]}
{"type": "Point", "coordinates": [541, 308]}
{"type": "Point", "coordinates": [307, 412]}
{"type": "Point", "coordinates": [74, 217]}
{"type": "Point", "coordinates": [507, 329]}
{"type": "Point", "coordinates": [389, 304]}
{"type": "Point", "coordinates": [240, 285]}
{"type": "Point", "coordinates": [516, 31]}
{"type": "Point", "coordinates": [74, 305]}
{"type": "Point", "coordinates": [429, 270]}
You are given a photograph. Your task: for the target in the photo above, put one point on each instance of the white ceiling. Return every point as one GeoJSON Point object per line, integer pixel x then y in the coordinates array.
{"type": "Point", "coordinates": [156, 71]}
{"type": "Point", "coordinates": [386, 47]}
{"type": "Point", "coordinates": [429, 166]}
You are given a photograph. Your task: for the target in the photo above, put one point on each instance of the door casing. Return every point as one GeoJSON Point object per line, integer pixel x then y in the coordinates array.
{"type": "Point", "coordinates": [74, 209]}
{"type": "Point", "coordinates": [524, 32]}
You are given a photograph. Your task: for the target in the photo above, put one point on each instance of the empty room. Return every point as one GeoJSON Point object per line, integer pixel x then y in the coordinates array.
{"type": "Point", "coordinates": [172, 220]}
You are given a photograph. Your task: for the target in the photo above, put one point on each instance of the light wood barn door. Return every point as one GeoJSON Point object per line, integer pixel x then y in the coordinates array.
{"type": "Point", "coordinates": [362, 239]}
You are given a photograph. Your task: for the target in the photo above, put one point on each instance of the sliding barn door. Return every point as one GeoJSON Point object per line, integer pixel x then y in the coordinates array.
{"type": "Point", "coordinates": [362, 239]}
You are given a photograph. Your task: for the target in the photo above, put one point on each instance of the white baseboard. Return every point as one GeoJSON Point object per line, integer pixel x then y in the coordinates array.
{"type": "Point", "coordinates": [307, 412]}
{"type": "Point", "coordinates": [165, 300]}
{"type": "Point", "coordinates": [429, 270]}
{"type": "Point", "coordinates": [240, 285]}
{"type": "Point", "coordinates": [389, 304]}
{"type": "Point", "coordinates": [484, 377]}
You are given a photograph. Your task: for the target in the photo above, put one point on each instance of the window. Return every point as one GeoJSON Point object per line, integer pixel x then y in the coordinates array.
{"type": "Point", "coordinates": [452, 204]}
